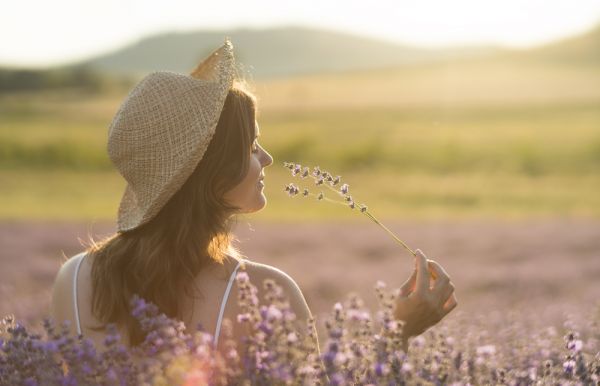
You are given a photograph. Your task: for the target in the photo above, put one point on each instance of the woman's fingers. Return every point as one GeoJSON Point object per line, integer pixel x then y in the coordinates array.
{"type": "Point", "coordinates": [450, 304]}
{"type": "Point", "coordinates": [446, 292]}
{"type": "Point", "coordinates": [422, 281]}
{"type": "Point", "coordinates": [442, 275]}
{"type": "Point", "coordinates": [409, 285]}
{"type": "Point", "coordinates": [442, 290]}
{"type": "Point", "coordinates": [442, 286]}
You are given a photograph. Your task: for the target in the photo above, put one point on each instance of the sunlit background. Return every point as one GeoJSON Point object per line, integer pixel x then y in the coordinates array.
{"type": "Point", "coordinates": [472, 128]}
{"type": "Point", "coordinates": [38, 33]}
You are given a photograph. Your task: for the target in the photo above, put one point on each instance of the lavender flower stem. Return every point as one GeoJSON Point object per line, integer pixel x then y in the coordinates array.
{"type": "Point", "coordinates": [374, 219]}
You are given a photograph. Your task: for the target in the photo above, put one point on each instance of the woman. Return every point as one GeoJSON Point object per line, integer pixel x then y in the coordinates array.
{"type": "Point", "coordinates": [188, 149]}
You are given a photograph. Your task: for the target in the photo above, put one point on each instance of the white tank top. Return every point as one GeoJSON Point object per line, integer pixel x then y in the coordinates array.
{"type": "Point", "coordinates": [221, 311]}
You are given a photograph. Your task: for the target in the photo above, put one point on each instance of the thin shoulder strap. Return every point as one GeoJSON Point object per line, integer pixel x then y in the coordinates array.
{"type": "Point", "coordinates": [76, 308]}
{"type": "Point", "coordinates": [224, 303]}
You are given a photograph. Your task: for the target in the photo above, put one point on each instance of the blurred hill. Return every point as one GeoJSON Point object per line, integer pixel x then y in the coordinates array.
{"type": "Point", "coordinates": [280, 53]}
{"type": "Point", "coordinates": [582, 49]}
{"type": "Point", "coordinates": [565, 71]}
{"type": "Point", "coordinates": [277, 52]}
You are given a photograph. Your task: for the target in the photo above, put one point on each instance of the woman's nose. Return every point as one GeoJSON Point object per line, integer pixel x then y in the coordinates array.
{"type": "Point", "coordinates": [267, 159]}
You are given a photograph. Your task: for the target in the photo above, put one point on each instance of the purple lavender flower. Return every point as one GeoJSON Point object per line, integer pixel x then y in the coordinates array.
{"type": "Point", "coordinates": [359, 349]}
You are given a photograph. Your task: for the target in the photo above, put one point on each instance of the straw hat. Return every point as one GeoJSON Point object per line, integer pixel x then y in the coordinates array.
{"type": "Point", "coordinates": [161, 131]}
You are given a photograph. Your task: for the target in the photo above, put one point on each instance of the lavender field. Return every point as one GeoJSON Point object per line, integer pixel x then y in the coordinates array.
{"type": "Point", "coordinates": [522, 287]}
{"type": "Point", "coordinates": [545, 267]}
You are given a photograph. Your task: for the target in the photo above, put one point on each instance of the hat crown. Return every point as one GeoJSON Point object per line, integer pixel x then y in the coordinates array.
{"type": "Point", "coordinates": [161, 131]}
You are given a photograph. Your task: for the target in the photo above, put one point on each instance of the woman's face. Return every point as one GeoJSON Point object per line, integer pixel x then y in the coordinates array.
{"type": "Point", "coordinates": [248, 195]}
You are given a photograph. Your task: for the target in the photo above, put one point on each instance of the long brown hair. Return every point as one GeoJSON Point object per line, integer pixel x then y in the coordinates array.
{"type": "Point", "coordinates": [161, 258]}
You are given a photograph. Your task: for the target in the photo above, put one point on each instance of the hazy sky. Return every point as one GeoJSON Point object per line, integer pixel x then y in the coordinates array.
{"type": "Point", "coordinates": [46, 32]}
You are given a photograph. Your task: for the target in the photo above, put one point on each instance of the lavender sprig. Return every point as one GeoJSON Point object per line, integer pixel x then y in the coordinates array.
{"type": "Point", "coordinates": [327, 180]}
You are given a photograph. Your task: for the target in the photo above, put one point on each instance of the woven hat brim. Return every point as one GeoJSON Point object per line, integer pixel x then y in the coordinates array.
{"type": "Point", "coordinates": [137, 207]}
{"type": "Point", "coordinates": [132, 212]}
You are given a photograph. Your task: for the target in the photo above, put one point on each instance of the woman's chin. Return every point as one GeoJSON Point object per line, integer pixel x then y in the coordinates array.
{"type": "Point", "coordinates": [260, 203]}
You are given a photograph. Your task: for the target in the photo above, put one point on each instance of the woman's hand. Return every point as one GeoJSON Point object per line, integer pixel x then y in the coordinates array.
{"type": "Point", "coordinates": [424, 301]}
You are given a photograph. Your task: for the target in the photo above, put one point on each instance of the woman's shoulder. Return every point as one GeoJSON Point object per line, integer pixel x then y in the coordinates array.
{"type": "Point", "coordinates": [66, 271]}
{"type": "Point", "coordinates": [62, 289]}
{"type": "Point", "coordinates": [259, 272]}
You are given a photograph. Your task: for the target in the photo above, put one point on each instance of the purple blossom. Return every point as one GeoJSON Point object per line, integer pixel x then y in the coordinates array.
{"type": "Point", "coordinates": [358, 349]}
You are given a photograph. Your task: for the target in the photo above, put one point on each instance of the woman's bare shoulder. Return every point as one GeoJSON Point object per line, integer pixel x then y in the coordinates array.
{"type": "Point", "coordinates": [67, 270]}
{"type": "Point", "coordinates": [62, 288]}
{"type": "Point", "coordinates": [258, 272]}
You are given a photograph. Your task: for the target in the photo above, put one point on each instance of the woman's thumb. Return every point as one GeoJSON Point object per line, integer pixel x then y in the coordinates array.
{"type": "Point", "coordinates": [422, 272]}
{"type": "Point", "coordinates": [420, 259]}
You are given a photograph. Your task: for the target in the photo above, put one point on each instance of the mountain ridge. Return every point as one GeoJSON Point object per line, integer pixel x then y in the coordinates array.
{"type": "Point", "coordinates": [280, 52]}
{"type": "Point", "coordinates": [273, 53]}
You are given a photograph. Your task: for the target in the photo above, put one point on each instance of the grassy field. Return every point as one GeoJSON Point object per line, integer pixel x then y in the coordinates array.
{"type": "Point", "coordinates": [70, 195]}
{"type": "Point", "coordinates": [496, 138]}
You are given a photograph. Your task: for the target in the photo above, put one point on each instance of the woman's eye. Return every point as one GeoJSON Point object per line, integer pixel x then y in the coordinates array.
{"type": "Point", "coordinates": [254, 147]}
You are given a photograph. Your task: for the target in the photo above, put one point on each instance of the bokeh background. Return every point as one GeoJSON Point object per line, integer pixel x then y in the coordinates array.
{"type": "Point", "coordinates": [471, 129]}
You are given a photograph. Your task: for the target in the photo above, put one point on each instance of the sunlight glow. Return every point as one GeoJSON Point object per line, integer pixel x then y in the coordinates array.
{"type": "Point", "coordinates": [35, 32]}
